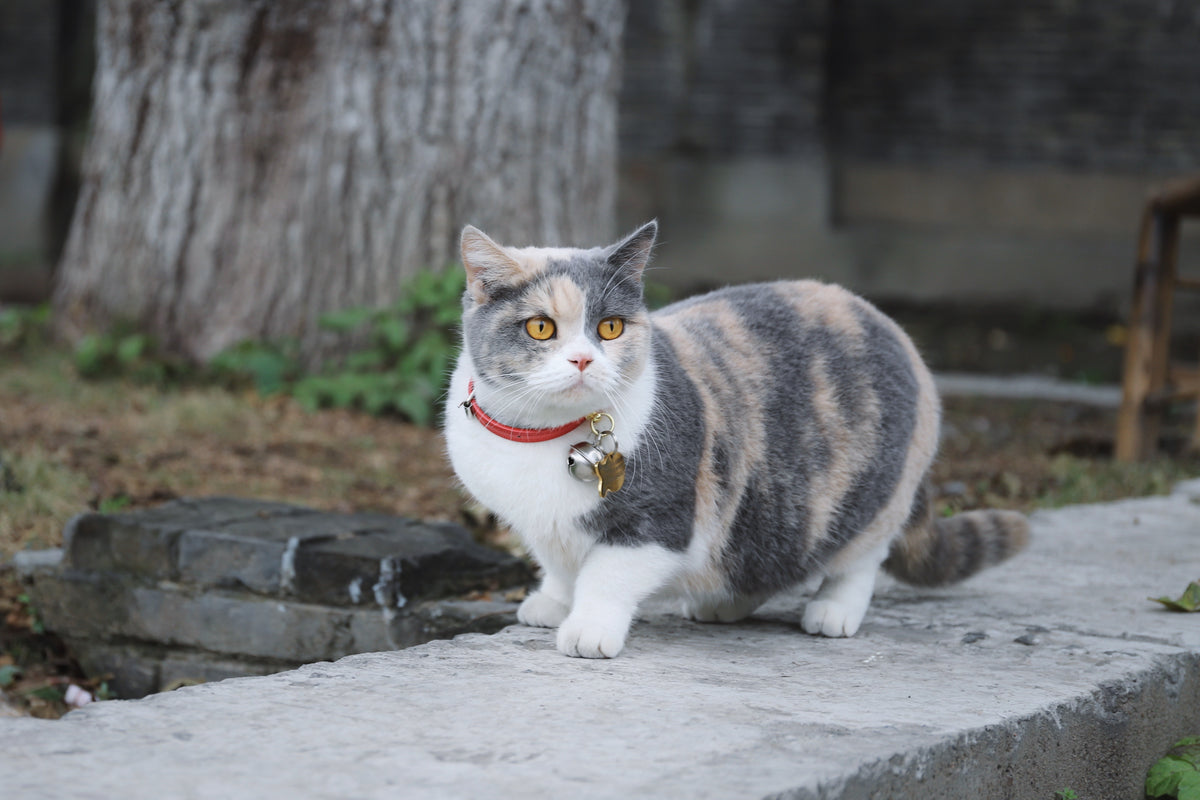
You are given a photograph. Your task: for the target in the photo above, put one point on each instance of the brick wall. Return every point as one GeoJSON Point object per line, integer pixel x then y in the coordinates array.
{"type": "Point", "coordinates": [28, 54]}
{"type": "Point", "coordinates": [1078, 84]}
{"type": "Point", "coordinates": [1083, 84]}
{"type": "Point", "coordinates": [720, 78]}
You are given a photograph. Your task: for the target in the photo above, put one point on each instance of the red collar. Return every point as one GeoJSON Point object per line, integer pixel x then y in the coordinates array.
{"type": "Point", "coordinates": [511, 433]}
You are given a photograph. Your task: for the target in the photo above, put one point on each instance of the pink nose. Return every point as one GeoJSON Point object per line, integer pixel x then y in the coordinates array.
{"type": "Point", "coordinates": [580, 361]}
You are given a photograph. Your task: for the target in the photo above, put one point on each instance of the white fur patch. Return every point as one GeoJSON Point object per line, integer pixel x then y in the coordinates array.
{"type": "Point", "coordinates": [527, 484]}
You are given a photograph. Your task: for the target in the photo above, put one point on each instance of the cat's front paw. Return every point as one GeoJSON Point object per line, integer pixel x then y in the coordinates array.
{"type": "Point", "coordinates": [540, 610]}
{"type": "Point", "coordinates": [593, 637]}
{"type": "Point", "coordinates": [831, 618]}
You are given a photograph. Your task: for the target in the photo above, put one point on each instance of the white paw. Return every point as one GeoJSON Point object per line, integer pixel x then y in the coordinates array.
{"type": "Point", "coordinates": [593, 637]}
{"type": "Point", "coordinates": [831, 618]}
{"type": "Point", "coordinates": [540, 610]}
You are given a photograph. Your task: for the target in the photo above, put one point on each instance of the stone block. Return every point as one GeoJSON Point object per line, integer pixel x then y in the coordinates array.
{"type": "Point", "coordinates": [453, 617]}
{"type": "Point", "coordinates": [244, 624]}
{"type": "Point", "coordinates": [225, 560]}
{"type": "Point", "coordinates": [212, 588]}
{"type": "Point", "coordinates": [400, 563]}
{"type": "Point", "coordinates": [108, 607]}
{"type": "Point", "coordinates": [119, 542]}
{"type": "Point", "coordinates": [30, 563]}
{"type": "Point", "coordinates": [79, 604]}
{"type": "Point", "coordinates": [181, 668]}
{"type": "Point", "coordinates": [134, 669]}
{"type": "Point", "coordinates": [145, 542]}
{"type": "Point", "coordinates": [131, 670]}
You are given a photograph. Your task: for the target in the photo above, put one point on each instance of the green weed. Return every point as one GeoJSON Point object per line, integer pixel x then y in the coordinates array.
{"type": "Point", "coordinates": [123, 351]}
{"type": "Point", "coordinates": [21, 327]}
{"type": "Point", "coordinates": [399, 360]}
{"type": "Point", "coordinates": [401, 367]}
{"type": "Point", "coordinates": [1080, 480]}
{"type": "Point", "coordinates": [1177, 774]}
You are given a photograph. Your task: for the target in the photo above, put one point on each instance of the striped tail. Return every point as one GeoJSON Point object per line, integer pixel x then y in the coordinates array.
{"type": "Point", "coordinates": [938, 551]}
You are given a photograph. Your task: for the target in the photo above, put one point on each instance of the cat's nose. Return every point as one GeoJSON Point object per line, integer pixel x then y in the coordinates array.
{"type": "Point", "coordinates": [581, 361]}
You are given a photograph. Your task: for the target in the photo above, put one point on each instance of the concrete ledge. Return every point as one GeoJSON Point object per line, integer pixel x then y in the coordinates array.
{"type": "Point", "coordinates": [1051, 671]}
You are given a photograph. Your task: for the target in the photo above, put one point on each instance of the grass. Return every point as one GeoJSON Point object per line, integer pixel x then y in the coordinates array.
{"type": "Point", "coordinates": [45, 495]}
{"type": "Point", "coordinates": [1090, 480]}
{"type": "Point", "coordinates": [116, 444]}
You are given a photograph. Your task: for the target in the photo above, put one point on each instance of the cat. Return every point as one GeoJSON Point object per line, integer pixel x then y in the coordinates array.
{"type": "Point", "coordinates": [769, 432]}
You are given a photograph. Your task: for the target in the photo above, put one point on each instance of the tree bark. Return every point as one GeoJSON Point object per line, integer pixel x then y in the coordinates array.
{"type": "Point", "coordinates": [253, 164]}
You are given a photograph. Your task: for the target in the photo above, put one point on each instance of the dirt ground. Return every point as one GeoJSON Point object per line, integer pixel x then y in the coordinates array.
{"type": "Point", "coordinates": [67, 446]}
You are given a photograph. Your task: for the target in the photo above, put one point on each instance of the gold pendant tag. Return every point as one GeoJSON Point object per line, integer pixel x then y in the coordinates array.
{"type": "Point", "coordinates": [611, 473]}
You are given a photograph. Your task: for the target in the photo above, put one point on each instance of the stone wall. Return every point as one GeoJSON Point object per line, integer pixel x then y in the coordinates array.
{"type": "Point", "coordinates": [1110, 85]}
{"type": "Point", "coordinates": [205, 589]}
{"type": "Point", "coordinates": [28, 56]}
{"type": "Point", "coordinates": [973, 151]}
{"type": "Point", "coordinates": [722, 79]}
{"type": "Point", "coordinates": [46, 54]}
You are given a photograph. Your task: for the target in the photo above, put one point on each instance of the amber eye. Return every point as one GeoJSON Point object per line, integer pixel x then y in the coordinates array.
{"type": "Point", "coordinates": [540, 328]}
{"type": "Point", "coordinates": [611, 328]}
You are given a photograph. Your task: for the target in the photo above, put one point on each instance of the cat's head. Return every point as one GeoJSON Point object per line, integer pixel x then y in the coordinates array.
{"type": "Point", "coordinates": [556, 330]}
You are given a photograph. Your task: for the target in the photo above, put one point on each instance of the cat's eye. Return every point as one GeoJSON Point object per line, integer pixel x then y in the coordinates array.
{"type": "Point", "coordinates": [540, 328]}
{"type": "Point", "coordinates": [611, 328]}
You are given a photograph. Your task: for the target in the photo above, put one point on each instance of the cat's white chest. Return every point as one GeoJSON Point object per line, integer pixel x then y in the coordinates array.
{"type": "Point", "coordinates": [527, 484]}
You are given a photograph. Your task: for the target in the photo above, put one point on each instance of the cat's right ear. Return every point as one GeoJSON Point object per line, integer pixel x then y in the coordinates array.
{"type": "Point", "coordinates": [486, 263]}
{"type": "Point", "coordinates": [633, 252]}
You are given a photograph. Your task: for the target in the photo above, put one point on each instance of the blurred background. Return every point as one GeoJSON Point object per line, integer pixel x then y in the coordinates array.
{"type": "Point", "coordinates": [983, 160]}
{"type": "Point", "coordinates": [228, 229]}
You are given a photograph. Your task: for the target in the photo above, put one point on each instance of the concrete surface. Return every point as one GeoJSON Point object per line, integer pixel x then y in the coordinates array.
{"type": "Point", "coordinates": [1027, 387]}
{"type": "Point", "coordinates": [1050, 671]}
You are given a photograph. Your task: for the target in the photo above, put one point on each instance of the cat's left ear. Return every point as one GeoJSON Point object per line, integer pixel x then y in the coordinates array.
{"type": "Point", "coordinates": [487, 264]}
{"type": "Point", "coordinates": [633, 252]}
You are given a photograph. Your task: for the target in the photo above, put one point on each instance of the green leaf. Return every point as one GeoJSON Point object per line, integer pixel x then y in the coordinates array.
{"type": "Point", "coordinates": [1188, 601]}
{"type": "Point", "coordinates": [1163, 778]}
{"type": "Point", "coordinates": [8, 674]}
{"type": "Point", "coordinates": [89, 356]}
{"type": "Point", "coordinates": [111, 505]}
{"type": "Point", "coordinates": [1189, 786]}
{"type": "Point", "coordinates": [1177, 774]}
{"type": "Point", "coordinates": [130, 349]}
{"type": "Point", "coordinates": [345, 320]}
{"type": "Point", "coordinates": [415, 405]}
{"type": "Point", "coordinates": [376, 401]}
{"type": "Point", "coordinates": [50, 693]}
{"type": "Point", "coordinates": [393, 331]}
{"type": "Point", "coordinates": [364, 361]}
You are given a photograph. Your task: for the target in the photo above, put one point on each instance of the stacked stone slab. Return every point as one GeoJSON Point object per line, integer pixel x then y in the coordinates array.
{"type": "Point", "coordinates": [200, 590]}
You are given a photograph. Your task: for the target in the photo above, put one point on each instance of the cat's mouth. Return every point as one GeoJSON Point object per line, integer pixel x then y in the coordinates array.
{"type": "Point", "coordinates": [578, 387]}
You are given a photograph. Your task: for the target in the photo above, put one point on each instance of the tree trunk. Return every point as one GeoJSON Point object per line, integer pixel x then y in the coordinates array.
{"type": "Point", "coordinates": [254, 164]}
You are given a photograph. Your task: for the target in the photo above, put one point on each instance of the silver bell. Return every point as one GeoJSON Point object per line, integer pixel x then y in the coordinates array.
{"type": "Point", "coordinates": [583, 460]}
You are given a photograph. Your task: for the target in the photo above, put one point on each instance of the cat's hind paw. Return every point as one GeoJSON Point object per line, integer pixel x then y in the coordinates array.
{"type": "Point", "coordinates": [726, 610]}
{"type": "Point", "coordinates": [831, 618]}
{"type": "Point", "coordinates": [540, 610]}
{"type": "Point", "coordinates": [592, 638]}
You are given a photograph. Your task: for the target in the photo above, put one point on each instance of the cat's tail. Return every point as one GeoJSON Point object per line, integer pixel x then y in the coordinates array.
{"type": "Point", "coordinates": [934, 551]}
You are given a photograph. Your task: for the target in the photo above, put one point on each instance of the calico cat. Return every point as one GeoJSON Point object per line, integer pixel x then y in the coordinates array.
{"type": "Point", "coordinates": [768, 432]}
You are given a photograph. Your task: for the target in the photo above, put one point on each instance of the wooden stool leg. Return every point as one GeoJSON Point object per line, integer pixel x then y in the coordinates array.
{"type": "Point", "coordinates": [1193, 445]}
{"type": "Point", "coordinates": [1145, 366]}
{"type": "Point", "coordinates": [1167, 236]}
